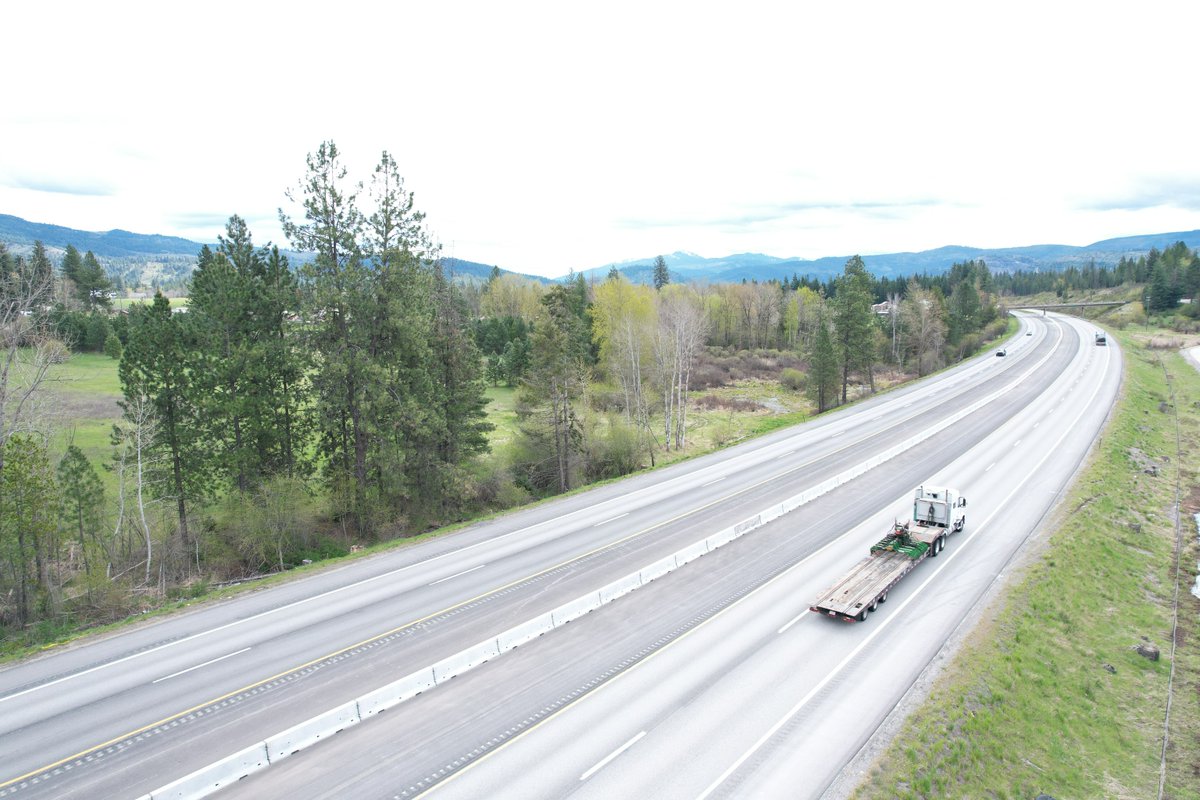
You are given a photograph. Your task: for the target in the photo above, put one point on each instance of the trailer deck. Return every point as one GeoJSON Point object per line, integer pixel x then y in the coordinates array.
{"type": "Point", "coordinates": [867, 584]}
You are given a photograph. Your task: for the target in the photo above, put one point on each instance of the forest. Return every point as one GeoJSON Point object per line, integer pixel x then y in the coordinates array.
{"type": "Point", "coordinates": [289, 413]}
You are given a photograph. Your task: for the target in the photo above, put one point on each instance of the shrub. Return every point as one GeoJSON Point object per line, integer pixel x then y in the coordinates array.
{"type": "Point", "coordinates": [613, 452]}
{"type": "Point", "coordinates": [112, 347]}
{"type": "Point", "coordinates": [793, 379]}
{"type": "Point", "coordinates": [712, 402]}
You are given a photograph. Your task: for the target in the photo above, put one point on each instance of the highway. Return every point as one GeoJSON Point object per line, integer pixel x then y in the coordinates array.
{"type": "Point", "coordinates": [127, 713]}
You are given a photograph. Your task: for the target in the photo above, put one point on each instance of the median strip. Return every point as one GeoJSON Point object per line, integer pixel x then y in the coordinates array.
{"type": "Point", "coordinates": [212, 778]}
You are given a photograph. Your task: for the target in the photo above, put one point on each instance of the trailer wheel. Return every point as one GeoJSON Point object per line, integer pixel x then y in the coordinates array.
{"type": "Point", "coordinates": [883, 597]}
{"type": "Point", "coordinates": [874, 605]}
{"type": "Point", "coordinates": [862, 617]}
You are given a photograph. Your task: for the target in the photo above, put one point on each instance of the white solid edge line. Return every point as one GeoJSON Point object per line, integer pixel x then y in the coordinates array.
{"type": "Point", "coordinates": [198, 666]}
{"type": "Point", "coordinates": [310, 599]}
{"type": "Point", "coordinates": [456, 575]}
{"type": "Point", "coordinates": [882, 626]}
{"type": "Point", "coordinates": [611, 756]}
{"type": "Point", "coordinates": [820, 550]}
{"type": "Point", "coordinates": [356, 584]}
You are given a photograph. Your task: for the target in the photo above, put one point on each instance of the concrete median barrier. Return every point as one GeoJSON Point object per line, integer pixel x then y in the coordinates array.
{"type": "Point", "coordinates": [464, 660]}
{"type": "Point", "coordinates": [216, 776]}
{"type": "Point", "coordinates": [691, 552]}
{"type": "Point", "coordinates": [657, 569]}
{"type": "Point", "coordinates": [395, 692]}
{"type": "Point", "coordinates": [575, 609]}
{"type": "Point", "coordinates": [525, 632]}
{"type": "Point", "coordinates": [311, 731]}
{"type": "Point", "coordinates": [620, 587]}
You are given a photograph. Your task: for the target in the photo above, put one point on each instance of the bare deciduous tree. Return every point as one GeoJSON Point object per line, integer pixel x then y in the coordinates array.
{"type": "Point", "coordinates": [682, 327]}
{"type": "Point", "coordinates": [133, 439]}
{"type": "Point", "coordinates": [922, 320]}
{"type": "Point", "coordinates": [27, 350]}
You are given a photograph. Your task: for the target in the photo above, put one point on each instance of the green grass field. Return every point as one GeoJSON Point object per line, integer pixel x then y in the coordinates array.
{"type": "Point", "coordinates": [500, 412]}
{"type": "Point", "coordinates": [84, 392]}
{"type": "Point", "coordinates": [1052, 696]}
{"type": "Point", "coordinates": [123, 303]}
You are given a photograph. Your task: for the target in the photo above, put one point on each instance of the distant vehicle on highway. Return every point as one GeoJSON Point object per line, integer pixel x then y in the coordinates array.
{"type": "Point", "coordinates": [1001, 353]}
{"type": "Point", "coordinates": [1101, 339]}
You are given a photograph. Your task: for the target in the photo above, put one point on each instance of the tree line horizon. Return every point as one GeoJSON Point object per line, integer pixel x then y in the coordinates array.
{"type": "Point", "coordinates": [293, 411]}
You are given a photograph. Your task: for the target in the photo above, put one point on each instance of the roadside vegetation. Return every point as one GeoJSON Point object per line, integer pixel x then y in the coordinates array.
{"type": "Point", "coordinates": [1064, 687]}
{"type": "Point", "coordinates": [287, 415]}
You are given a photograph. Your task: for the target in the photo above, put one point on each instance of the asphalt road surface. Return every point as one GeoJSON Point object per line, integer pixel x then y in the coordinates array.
{"type": "Point", "coordinates": [687, 674]}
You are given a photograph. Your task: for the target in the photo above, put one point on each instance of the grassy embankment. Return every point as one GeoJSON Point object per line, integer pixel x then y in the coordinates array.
{"type": "Point", "coordinates": [1049, 694]}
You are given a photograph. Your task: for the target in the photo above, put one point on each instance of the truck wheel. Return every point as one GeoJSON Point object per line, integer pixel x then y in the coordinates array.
{"type": "Point", "coordinates": [873, 606]}
{"type": "Point", "coordinates": [883, 597]}
{"type": "Point", "coordinates": [862, 617]}
{"type": "Point", "coordinates": [933, 548]}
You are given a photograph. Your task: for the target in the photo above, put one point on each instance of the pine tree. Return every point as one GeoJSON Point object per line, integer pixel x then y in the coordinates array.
{"type": "Point", "coordinates": [555, 382]}
{"type": "Point", "coordinates": [965, 309]}
{"type": "Point", "coordinates": [157, 364]}
{"type": "Point", "coordinates": [458, 386]}
{"type": "Point", "coordinates": [339, 296]}
{"type": "Point", "coordinates": [83, 502]}
{"type": "Point", "coordinates": [823, 366]}
{"type": "Point", "coordinates": [42, 271]}
{"type": "Point", "coordinates": [854, 322]}
{"type": "Point", "coordinates": [1158, 292]}
{"type": "Point", "coordinates": [72, 263]}
{"type": "Point", "coordinates": [662, 275]}
{"type": "Point", "coordinates": [92, 284]}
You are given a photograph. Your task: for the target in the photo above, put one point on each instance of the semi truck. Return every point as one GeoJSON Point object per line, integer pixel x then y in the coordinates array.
{"type": "Point", "coordinates": [937, 513]}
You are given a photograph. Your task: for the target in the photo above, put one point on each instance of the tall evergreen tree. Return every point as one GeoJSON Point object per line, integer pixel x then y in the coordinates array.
{"type": "Point", "coordinates": [250, 372]}
{"type": "Point", "coordinates": [83, 503]}
{"type": "Point", "coordinates": [854, 323]}
{"type": "Point", "coordinates": [824, 368]}
{"type": "Point", "coordinates": [72, 264]}
{"type": "Point", "coordinates": [662, 275]}
{"type": "Point", "coordinates": [92, 285]}
{"type": "Point", "coordinates": [965, 309]}
{"type": "Point", "coordinates": [286, 367]}
{"type": "Point", "coordinates": [556, 381]}
{"type": "Point", "coordinates": [457, 382]}
{"type": "Point", "coordinates": [1159, 295]}
{"type": "Point", "coordinates": [42, 271]}
{"type": "Point", "coordinates": [157, 364]}
{"type": "Point", "coordinates": [338, 289]}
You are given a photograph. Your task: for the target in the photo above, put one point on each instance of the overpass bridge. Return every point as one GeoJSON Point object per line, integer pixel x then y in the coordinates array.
{"type": "Point", "coordinates": [1065, 306]}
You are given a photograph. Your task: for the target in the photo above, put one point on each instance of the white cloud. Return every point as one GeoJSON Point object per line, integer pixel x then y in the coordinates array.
{"type": "Point", "coordinates": [543, 136]}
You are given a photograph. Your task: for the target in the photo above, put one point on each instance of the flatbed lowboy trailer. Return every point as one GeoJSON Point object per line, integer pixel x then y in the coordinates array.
{"type": "Point", "coordinates": [894, 556]}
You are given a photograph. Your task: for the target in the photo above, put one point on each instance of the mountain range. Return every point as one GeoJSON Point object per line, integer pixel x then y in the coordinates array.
{"type": "Point", "coordinates": [684, 266]}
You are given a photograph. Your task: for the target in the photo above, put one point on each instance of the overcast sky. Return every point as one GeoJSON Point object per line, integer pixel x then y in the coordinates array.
{"type": "Point", "coordinates": [542, 137]}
